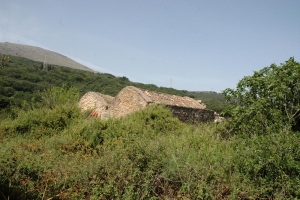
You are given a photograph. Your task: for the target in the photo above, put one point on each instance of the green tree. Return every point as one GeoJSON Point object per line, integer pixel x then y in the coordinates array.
{"type": "Point", "coordinates": [268, 101]}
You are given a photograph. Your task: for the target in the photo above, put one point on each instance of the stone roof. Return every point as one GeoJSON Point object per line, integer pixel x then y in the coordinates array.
{"type": "Point", "coordinates": [107, 98]}
{"type": "Point", "coordinates": [173, 100]}
{"type": "Point", "coordinates": [91, 100]}
{"type": "Point", "coordinates": [141, 92]}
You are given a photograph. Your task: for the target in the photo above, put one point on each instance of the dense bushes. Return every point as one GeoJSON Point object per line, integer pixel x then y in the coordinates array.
{"type": "Point", "coordinates": [268, 101]}
{"type": "Point", "coordinates": [55, 152]}
{"type": "Point", "coordinates": [270, 168]}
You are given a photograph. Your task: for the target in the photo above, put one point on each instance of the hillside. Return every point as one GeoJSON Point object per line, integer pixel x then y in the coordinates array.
{"type": "Point", "coordinates": [213, 100]}
{"type": "Point", "coordinates": [40, 54]}
{"type": "Point", "coordinates": [24, 80]}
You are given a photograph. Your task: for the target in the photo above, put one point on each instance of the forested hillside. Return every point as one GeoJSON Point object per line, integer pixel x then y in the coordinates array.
{"type": "Point", "coordinates": [213, 100]}
{"type": "Point", "coordinates": [25, 79]}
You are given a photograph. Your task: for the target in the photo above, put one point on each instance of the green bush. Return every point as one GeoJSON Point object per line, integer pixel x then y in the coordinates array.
{"type": "Point", "coordinates": [268, 101]}
{"type": "Point", "coordinates": [268, 166]}
{"type": "Point", "coordinates": [56, 111]}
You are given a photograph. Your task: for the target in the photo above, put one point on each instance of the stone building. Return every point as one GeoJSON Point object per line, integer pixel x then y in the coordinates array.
{"type": "Point", "coordinates": [131, 99]}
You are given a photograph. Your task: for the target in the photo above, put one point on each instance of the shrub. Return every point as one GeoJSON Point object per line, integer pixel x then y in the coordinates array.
{"type": "Point", "coordinates": [56, 111]}
{"type": "Point", "coordinates": [268, 101]}
{"type": "Point", "coordinates": [267, 166]}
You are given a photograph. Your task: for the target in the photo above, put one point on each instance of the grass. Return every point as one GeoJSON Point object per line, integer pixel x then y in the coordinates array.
{"type": "Point", "coordinates": [57, 153]}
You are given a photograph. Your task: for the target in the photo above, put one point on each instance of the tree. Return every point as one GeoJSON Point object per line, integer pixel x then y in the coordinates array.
{"type": "Point", "coordinates": [268, 101]}
{"type": "Point", "coordinates": [4, 60]}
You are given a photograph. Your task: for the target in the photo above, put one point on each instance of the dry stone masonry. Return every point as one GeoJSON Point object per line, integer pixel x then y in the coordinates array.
{"type": "Point", "coordinates": [128, 100]}
{"type": "Point", "coordinates": [91, 100]}
{"type": "Point", "coordinates": [96, 102]}
{"type": "Point", "coordinates": [131, 99]}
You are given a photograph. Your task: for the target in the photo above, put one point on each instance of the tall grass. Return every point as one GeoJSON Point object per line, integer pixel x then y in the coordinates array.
{"type": "Point", "coordinates": [55, 152]}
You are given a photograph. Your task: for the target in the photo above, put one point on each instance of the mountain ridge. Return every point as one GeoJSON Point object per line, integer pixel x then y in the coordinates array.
{"type": "Point", "coordinates": [39, 54]}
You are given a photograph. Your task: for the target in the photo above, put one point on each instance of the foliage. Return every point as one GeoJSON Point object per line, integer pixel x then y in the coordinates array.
{"type": "Point", "coordinates": [54, 152]}
{"type": "Point", "coordinates": [4, 60]}
{"type": "Point", "coordinates": [270, 167]}
{"type": "Point", "coordinates": [56, 96]}
{"type": "Point", "coordinates": [54, 113]}
{"type": "Point", "coordinates": [267, 101]}
{"type": "Point", "coordinates": [213, 100]}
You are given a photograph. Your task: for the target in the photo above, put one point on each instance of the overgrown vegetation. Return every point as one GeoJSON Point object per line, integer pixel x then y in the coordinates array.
{"type": "Point", "coordinates": [52, 151]}
{"type": "Point", "coordinates": [268, 101]}
{"type": "Point", "coordinates": [49, 150]}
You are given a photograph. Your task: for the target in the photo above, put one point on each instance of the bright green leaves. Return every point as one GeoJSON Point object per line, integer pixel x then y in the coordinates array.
{"type": "Point", "coordinates": [267, 101]}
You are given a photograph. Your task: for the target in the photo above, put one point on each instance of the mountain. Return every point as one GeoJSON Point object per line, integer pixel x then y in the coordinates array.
{"type": "Point", "coordinates": [40, 54]}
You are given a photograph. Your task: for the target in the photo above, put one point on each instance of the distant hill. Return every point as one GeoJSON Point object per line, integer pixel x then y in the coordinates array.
{"type": "Point", "coordinates": [24, 79]}
{"type": "Point", "coordinates": [40, 54]}
{"type": "Point", "coordinates": [213, 100]}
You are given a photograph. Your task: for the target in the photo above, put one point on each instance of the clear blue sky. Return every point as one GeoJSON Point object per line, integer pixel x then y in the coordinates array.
{"type": "Point", "coordinates": [193, 45]}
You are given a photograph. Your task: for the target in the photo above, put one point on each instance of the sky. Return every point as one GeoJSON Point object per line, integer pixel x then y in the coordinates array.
{"type": "Point", "coordinates": [194, 45]}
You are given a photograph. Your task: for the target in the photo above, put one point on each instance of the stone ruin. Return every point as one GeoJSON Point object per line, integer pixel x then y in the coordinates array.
{"type": "Point", "coordinates": [131, 99]}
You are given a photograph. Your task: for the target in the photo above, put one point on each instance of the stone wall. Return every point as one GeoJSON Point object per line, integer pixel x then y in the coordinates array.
{"type": "Point", "coordinates": [128, 100]}
{"type": "Point", "coordinates": [190, 115]}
